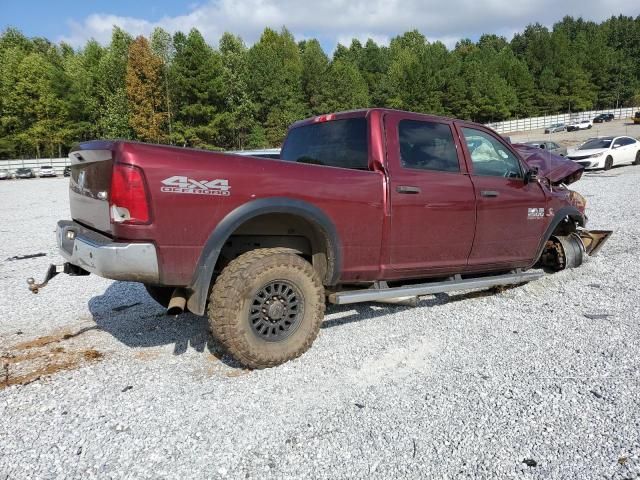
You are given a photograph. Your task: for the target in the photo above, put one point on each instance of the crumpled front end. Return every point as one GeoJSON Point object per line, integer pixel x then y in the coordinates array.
{"type": "Point", "coordinates": [553, 167]}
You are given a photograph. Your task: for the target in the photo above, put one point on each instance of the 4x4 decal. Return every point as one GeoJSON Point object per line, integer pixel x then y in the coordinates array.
{"type": "Point", "coordinates": [182, 184]}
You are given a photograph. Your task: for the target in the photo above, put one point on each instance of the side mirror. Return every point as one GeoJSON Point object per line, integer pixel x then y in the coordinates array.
{"type": "Point", "coordinates": [616, 145]}
{"type": "Point", "coordinates": [542, 146]}
{"type": "Point", "coordinates": [531, 176]}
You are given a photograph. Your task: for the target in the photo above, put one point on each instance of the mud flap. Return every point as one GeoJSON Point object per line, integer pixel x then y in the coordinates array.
{"type": "Point", "coordinates": [593, 240]}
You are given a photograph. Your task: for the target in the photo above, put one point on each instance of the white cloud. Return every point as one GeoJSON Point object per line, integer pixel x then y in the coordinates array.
{"type": "Point", "coordinates": [334, 21]}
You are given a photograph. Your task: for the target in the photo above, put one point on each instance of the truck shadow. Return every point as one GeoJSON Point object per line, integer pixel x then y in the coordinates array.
{"type": "Point", "coordinates": [126, 312]}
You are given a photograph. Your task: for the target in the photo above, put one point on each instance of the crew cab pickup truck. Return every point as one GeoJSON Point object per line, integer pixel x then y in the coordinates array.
{"type": "Point", "coordinates": [365, 205]}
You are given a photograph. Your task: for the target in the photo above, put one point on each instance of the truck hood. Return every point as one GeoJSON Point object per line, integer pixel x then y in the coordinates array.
{"type": "Point", "coordinates": [553, 167]}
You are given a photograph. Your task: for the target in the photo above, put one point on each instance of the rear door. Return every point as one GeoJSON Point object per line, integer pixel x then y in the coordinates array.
{"type": "Point", "coordinates": [510, 212]}
{"type": "Point", "coordinates": [431, 196]}
{"type": "Point", "coordinates": [626, 151]}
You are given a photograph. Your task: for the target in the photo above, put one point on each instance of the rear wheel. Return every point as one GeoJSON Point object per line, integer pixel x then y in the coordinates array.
{"type": "Point", "coordinates": [162, 295]}
{"type": "Point", "coordinates": [637, 160]}
{"type": "Point", "coordinates": [608, 163]}
{"type": "Point", "coordinates": [266, 307]}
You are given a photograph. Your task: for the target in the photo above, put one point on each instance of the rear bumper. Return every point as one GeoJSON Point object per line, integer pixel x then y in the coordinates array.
{"type": "Point", "coordinates": [100, 255]}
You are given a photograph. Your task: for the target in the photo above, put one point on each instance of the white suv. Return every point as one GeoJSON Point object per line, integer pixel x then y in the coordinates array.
{"type": "Point", "coordinates": [46, 171]}
{"type": "Point", "coordinates": [579, 125]}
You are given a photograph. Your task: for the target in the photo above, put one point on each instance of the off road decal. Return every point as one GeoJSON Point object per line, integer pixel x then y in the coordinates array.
{"type": "Point", "coordinates": [535, 213]}
{"type": "Point", "coordinates": [181, 184]}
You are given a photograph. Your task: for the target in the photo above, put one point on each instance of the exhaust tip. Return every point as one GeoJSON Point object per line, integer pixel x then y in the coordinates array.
{"type": "Point", "coordinates": [178, 302]}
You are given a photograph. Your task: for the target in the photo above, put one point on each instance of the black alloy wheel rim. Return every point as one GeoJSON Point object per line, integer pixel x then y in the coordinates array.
{"type": "Point", "coordinates": [276, 311]}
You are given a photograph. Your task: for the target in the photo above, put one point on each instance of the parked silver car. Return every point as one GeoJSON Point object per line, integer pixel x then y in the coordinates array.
{"type": "Point", "coordinates": [25, 172]}
{"type": "Point", "coordinates": [4, 174]}
{"type": "Point", "coordinates": [547, 145]}
{"type": "Point", "coordinates": [556, 127]}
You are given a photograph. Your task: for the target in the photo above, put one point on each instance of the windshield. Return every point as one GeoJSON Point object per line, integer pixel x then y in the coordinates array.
{"type": "Point", "coordinates": [22, 170]}
{"type": "Point", "coordinates": [596, 143]}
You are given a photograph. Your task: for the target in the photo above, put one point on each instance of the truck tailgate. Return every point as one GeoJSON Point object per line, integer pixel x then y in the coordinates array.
{"type": "Point", "coordinates": [89, 186]}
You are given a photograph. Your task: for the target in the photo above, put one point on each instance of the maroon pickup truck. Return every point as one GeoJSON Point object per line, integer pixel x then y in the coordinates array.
{"type": "Point", "coordinates": [367, 205]}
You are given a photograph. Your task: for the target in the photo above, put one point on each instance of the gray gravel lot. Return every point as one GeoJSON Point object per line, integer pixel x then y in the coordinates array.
{"type": "Point", "coordinates": [539, 381]}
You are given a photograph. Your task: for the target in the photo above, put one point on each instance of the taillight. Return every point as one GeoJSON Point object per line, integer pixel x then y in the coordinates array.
{"type": "Point", "coordinates": [128, 196]}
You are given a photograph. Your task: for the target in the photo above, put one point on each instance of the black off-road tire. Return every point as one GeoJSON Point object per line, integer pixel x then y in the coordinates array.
{"type": "Point", "coordinates": [233, 298]}
{"type": "Point", "coordinates": [608, 163]}
{"type": "Point", "coordinates": [162, 295]}
{"type": "Point", "coordinates": [637, 160]}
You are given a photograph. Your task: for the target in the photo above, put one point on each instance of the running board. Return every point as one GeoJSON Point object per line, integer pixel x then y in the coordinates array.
{"type": "Point", "coordinates": [456, 283]}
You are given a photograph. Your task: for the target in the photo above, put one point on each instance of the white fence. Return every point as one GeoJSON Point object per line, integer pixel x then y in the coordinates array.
{"type": "Point", "coordinates": [533, 123]}
{"type": "Point", "coordinates": [58, 164]}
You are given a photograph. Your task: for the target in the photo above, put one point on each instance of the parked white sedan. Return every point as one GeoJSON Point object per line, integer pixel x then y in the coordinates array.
{"type": "Point", "coordinates": [606, 152]}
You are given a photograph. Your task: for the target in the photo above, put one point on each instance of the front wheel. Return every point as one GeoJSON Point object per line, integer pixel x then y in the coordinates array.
{"type": "Point", "coordinates": [589, 127]}
{"type": "Point", "coordinates": [608, 163]}
{"type": "Point", "coordinates": [562, 252]}
{"type": "Point", "coordinates": [637, 160]}
{"type": "Point", "coordinates": [266, 307]}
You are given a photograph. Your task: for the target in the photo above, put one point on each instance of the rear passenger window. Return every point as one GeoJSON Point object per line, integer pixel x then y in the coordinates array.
{"type": "Point", "coordinates": [427, 146]}
{"type": "Point", "coordinates": [336, 143]}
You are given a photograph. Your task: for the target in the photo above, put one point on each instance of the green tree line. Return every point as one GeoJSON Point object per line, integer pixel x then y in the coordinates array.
{"type": "Point", "coordinates": [179, 90]}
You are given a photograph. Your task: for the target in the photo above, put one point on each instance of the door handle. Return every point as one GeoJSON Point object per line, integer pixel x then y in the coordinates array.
{"type": "Point", "coordinates": [407, 189]}
{"type": "Point", "coordinates": [489, 193]}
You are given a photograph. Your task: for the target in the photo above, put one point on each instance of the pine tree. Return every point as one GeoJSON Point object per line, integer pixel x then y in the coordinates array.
{"type": "Point", "coordinates": [276, 82]}
{"type": "Point", "coordinates": [315, 64]}
{"type": "Point", "coordinates": [237, 120]}
{"type": "Point", "coordinates": [197, 85]}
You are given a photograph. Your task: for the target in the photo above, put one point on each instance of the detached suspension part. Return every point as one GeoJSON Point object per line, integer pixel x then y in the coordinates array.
{"type": "Point", "coordinates": [562, 252]}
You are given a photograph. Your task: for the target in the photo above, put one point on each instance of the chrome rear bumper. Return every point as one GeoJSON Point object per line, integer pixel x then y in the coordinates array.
{"type": "Point", "coordinates": [100, 255]}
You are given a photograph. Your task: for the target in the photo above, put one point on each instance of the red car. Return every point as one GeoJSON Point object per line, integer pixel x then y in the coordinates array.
{"type": "Point", "coordinates": [364, 205]}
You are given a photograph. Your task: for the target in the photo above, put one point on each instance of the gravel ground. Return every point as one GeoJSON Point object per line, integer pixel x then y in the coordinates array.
{"type": "Point", "coordinates": [539, 381]}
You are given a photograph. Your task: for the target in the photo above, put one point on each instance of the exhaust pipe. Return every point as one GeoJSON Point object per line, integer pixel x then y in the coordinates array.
{"type": "Point", "coordinates": [178, 302]}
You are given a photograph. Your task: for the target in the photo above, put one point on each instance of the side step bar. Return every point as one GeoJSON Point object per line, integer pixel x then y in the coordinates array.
{"type": "Point", "coordinates": [457, 283]}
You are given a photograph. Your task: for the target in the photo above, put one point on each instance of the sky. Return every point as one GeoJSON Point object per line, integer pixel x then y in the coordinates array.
{"type": "Point", "coordinates": [330, 21]}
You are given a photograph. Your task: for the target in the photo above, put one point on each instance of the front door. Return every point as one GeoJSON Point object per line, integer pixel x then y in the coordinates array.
{"type": "Point", "coordinates": [510, 212]}
{"type": "Point", "coordinates": [432, 202]}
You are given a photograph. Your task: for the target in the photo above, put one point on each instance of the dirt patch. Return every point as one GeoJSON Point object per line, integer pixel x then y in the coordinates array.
{"type": "Point", "coordinates": [50, 339]}
{"type": "Point", "coordinates": [146, 354]}
{"type": "Point", "coordinates": [29, 361]}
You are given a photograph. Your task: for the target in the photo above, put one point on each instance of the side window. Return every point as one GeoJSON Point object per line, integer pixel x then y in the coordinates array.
{"type": "Point", "coordinates": [489, 157]}
{"type": "Point", "coordinates": [625, 141]}
{"type": "Point", "coordinates": [427, 146]}
{"type": "Point", "coordinates": [336, 143]}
